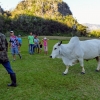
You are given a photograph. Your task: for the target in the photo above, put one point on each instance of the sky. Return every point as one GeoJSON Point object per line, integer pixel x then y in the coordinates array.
{"type": "Point", "coordinates": [85, 11]}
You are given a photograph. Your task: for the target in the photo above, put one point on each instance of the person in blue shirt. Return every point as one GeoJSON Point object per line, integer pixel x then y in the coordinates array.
{"type": "Point", "coordinates": [36, 42]}
{"type": "Point", "coordinates": [19, 42]}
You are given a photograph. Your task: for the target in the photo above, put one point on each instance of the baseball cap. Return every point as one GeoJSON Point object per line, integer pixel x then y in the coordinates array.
{"type": "Point", "coordinates": [19, 35]}
{"type": "Point", "coordinates": [45, 38]}
{"type": "Point", "coordinates": [11, 31]}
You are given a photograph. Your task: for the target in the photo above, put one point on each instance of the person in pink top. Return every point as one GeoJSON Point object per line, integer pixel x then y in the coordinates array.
{"type": "Point", "coordinates": [45, 44]}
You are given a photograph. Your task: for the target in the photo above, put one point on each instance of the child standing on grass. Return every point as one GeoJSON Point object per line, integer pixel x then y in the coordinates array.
{"type": "Point", "coordinates": [45, 44]}
{"type": "Point", "coordinates": [36, 43]}
{"type": "Point", "coordinates": [19, 42]}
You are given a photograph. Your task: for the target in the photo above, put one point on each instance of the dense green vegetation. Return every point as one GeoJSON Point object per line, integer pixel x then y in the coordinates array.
{"type": "Point", "coordinates": [94, 33]}
{"type": "Point", "coordinates": [42, 17]}
{"type": "Point", "coordinates": [40, 78]}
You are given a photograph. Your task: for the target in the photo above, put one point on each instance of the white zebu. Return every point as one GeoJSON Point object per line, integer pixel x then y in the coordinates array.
{"type": "Point", "coordinates": [77, 51]}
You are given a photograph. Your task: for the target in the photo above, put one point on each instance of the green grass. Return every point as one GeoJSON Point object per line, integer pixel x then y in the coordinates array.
{"type": "Point", "coordinates": [40, 78]}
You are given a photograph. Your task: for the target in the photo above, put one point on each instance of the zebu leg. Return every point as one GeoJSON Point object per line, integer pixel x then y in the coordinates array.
{"type": "Point", "coordinates": [82, 65]}
{"type": "Point", "coordinates": [98, 60]}
{"type": "Point", "coordinates": [66, 71]}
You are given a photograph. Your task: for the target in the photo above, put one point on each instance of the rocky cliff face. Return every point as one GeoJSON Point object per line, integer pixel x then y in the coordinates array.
{"type": "Point", "coordinates": [43, 8]}
{"type": "Point", "coordinates": [64, 9]}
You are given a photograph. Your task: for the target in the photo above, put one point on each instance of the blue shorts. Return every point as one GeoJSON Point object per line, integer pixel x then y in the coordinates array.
{"type": "Point", "coordinates": [14, 50]}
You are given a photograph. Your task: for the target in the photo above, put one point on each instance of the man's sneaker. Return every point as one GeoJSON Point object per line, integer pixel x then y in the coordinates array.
{"type": "Point", "coordinates": [20, 56]}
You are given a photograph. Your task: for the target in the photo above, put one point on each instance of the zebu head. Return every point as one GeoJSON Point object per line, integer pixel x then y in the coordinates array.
{"type": "Point", "coordinates": [56, 50]}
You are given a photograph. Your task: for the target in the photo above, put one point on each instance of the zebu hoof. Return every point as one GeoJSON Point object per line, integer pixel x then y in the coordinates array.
{"type": "Point", "coordinates": [97, 70]}
{"type": "Point", "coordinates": [63, 74]}
{"type": "Point", "coordinates": [82, 72]}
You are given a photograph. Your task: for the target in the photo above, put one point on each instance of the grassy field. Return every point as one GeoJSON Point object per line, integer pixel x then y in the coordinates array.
{"type": "Point", "coordinates": [40, 78]}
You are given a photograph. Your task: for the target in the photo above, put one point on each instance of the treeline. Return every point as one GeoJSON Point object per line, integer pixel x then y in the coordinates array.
{"type": "Point", "coordinates": [94, 33]}
{"type": "Point", "coordinates": [42, 17]}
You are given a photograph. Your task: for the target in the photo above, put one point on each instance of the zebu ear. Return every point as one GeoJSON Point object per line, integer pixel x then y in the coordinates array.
{"type": "Point", "coordinates": [59, 43]}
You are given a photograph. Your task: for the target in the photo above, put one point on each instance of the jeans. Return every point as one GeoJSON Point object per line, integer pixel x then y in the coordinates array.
{"type": "Point", "coordinates": [31, 48]}
{"type": "Point", "coordinates": [8, 67]}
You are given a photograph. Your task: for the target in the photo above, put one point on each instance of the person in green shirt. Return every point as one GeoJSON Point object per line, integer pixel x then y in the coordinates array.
{"type": "Point", "coordinates": [31, 43]}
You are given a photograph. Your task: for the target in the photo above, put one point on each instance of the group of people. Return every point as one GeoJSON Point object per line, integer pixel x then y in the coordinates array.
{"type": "Point", "coordinates": [15, 44]}
{"type": "Point", "coordinates": [35, 45]}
